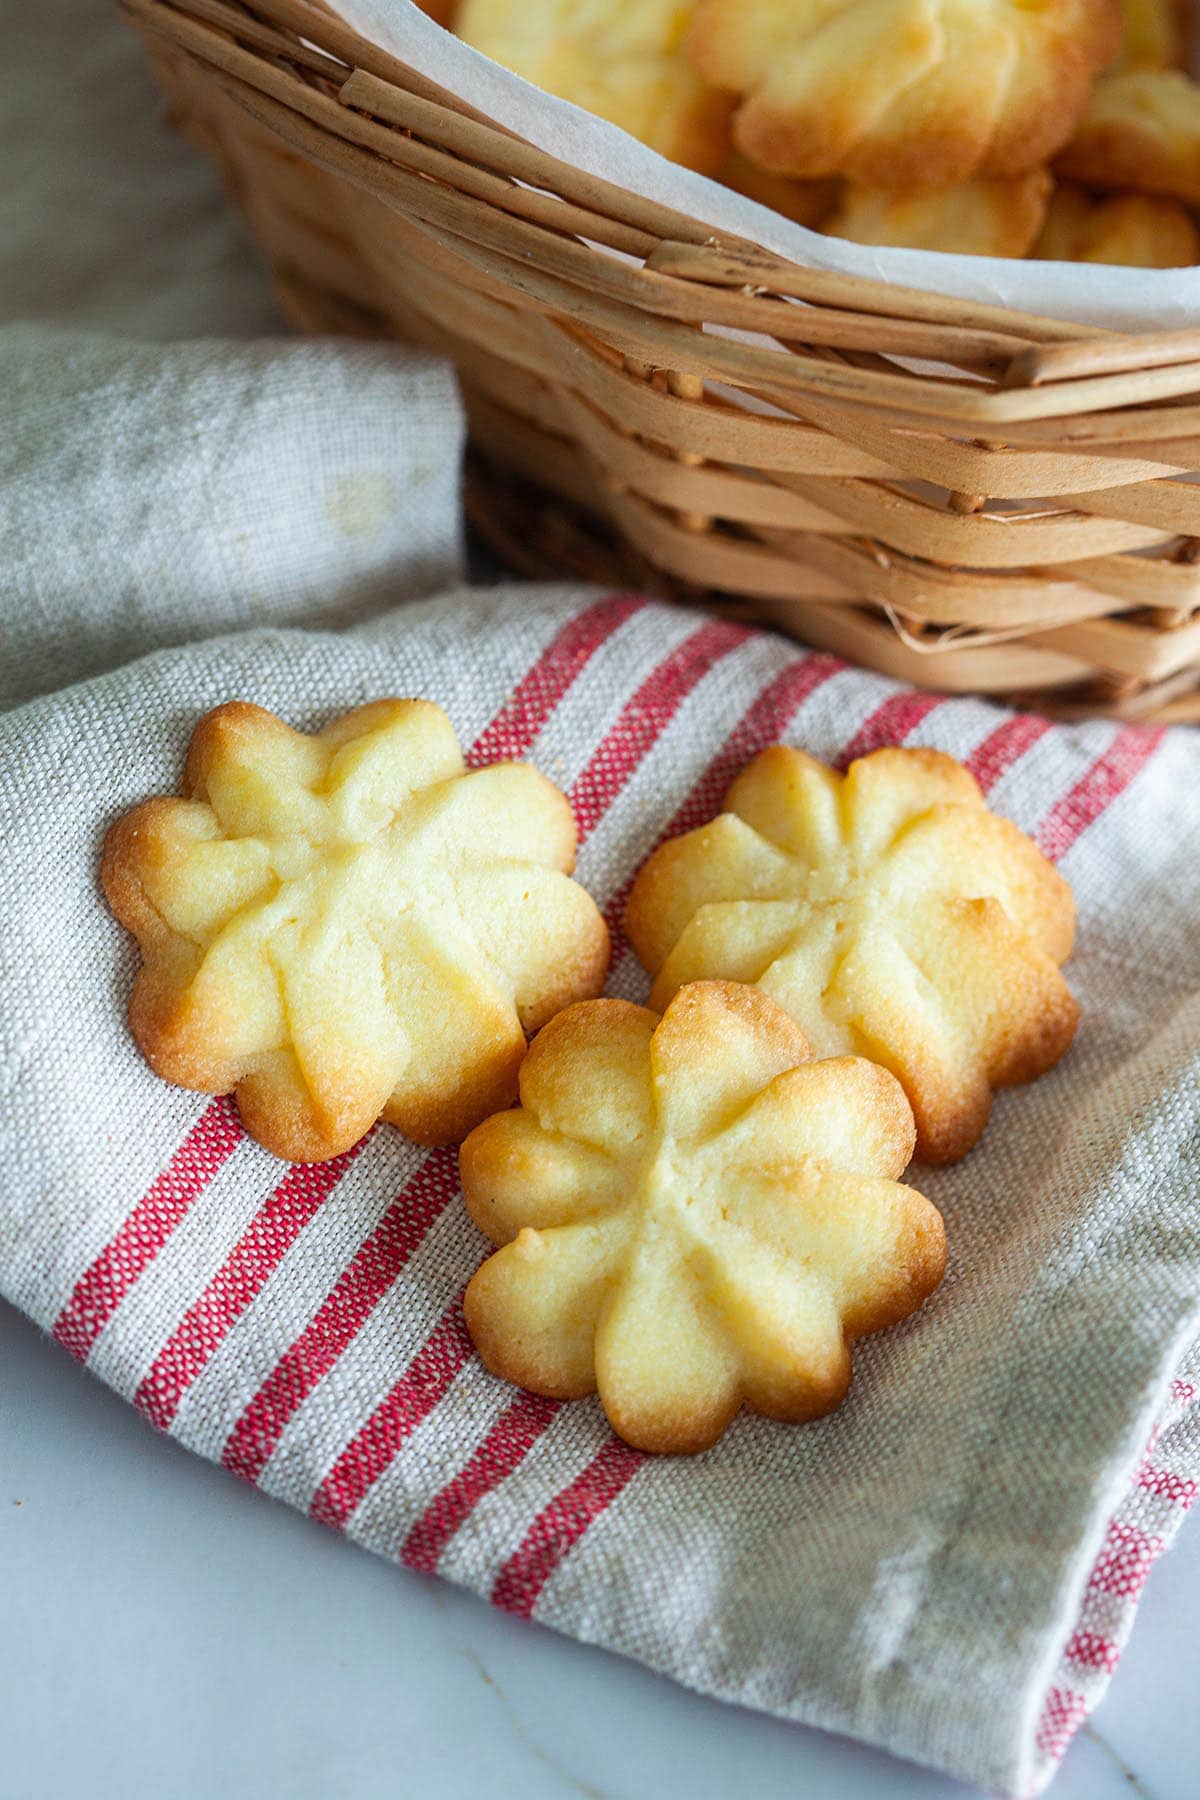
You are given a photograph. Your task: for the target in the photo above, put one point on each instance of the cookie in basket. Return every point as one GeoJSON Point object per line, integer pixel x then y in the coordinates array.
{"type": "Point", "coordinates": [694, 1216]}
{"type": "Point", "coordinates": [620, 59]}
{"type": "Point", "coordinates": [994, 216]}
{"type": "Point", "coordinates": [1142, 231]}
{"type": "Point", "coordinates": [903, 93]}
{"type": "Point", "coordinates": [350, 926]}
{"type": "Point", "coordinates": [807, 203]}
{"type": "Point", "coordinates": [889, 911]}
{"type": "Point", "coordinates": [1155, 34]}
{"type": "Point", "coordinates": [1141, 132]}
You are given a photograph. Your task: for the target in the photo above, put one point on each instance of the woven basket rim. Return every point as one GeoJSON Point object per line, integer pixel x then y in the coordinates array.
{"type": "Point", "coordinates": [750, 425]}
{"type": "Point", "coordinates": [1029, 317]}
{"type": "Point", "coordinates": [372, 65]}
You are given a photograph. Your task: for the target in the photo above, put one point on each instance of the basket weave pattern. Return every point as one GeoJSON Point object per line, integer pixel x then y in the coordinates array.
{"type": "Point", "coordinates": [961, 495]}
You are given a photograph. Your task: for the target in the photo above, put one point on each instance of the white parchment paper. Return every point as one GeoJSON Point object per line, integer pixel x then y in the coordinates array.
{"type": "Point", "coordinates": [1122, 299]}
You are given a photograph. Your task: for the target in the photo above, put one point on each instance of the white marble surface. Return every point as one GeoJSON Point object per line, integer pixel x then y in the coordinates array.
{"type": "Point", "coordinates": [166, 1632]}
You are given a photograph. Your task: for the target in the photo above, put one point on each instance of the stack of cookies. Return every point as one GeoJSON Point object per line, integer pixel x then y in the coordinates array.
{"type": "Point", "coordinates": [696, 1205]}
{"type": "Point", "coordinates": [1064, 130]}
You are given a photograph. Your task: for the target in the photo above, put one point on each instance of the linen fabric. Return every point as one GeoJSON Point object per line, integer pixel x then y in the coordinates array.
{"type": "Point", "coordinates": [146, 487]}
{"type": "Point", "coordinates": [947, 1565]}
{"type": "Point", "coordinates": [165, 467]}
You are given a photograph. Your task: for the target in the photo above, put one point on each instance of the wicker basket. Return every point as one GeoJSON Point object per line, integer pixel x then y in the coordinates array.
{"type": "Point", "coordinates": [1014, 523]}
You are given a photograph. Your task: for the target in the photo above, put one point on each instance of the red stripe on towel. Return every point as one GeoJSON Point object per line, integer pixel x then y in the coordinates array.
{"type": "Point", "coordinates": [504, 1449]}
{"type": "Point", "coordinates": [99, 1292]}
{"type": "Point", "coordinates": [342, 1314]}
{"type": "Point", "coordinates": [536, 696]}
{"type": "Point", "coordinates": [890, 724]}
{"type": "Point", "coordinates": [244, 1272]}
{"type": "Point", "coordinates": [1109, 776]}
{"type": "Point", "coordinates": [1004, 747]}
{"type": "Point", "coordinates": [424, 1383]}
{"type": "Point", "coordinates": [559, 1526]}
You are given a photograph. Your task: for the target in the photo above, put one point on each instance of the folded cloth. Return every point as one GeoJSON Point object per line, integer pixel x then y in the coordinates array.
{"type": "Point", "coordinates": [151, 493]}
{"type": "Point", "coordinates": [946, 1566]}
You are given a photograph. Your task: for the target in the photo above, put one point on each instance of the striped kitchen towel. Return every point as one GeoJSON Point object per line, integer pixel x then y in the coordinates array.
{"type": "Point", "coordinates": [949, 1565]}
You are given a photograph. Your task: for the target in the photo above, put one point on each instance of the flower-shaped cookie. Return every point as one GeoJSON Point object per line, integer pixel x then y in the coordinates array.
{"type": "Point", "coordinates": [1143, 231]}
{"type": "Point", "coordinates": [1141, 132]}
{"type": "Point", "coordinates": [1155, 34]}
{"type": "Point", "coordinates": [349, 926]}
{"type": "Point", "coordinates": [809, 203]}
{"type": "Point", "coordinates": [695, 1216]}
{"type": "Point", "coordinates": [620, 59]}
{"type": "Point", "coordinates": [889, 911]}
{"type": "Point", "coordinates": [996, 216]}
{"type": "Point", "coordinates": [904, 93]}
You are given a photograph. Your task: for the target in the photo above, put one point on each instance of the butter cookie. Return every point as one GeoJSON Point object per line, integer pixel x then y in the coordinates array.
{"type": "Point", "coordinates": [1141, 133]}
{"type": "Point", "coordinates": [350, 926]}
{"type": "Point", "coordinates": [620, 59]}
{"type": "Point", "coordinates": [1142, 231]}
{"type": "Point", "coordinates": [695, 1216]}
{"type": "Point", "coordinates": [889, 911]}
{"type": "Point", "coordinates": [807, 203]}
{"type": "Point", "coordinates": [1155, 34]}
{"type": "Point", "coordinates": [996, 217]}
{"type": "Point", "coordinates": [904, 93]}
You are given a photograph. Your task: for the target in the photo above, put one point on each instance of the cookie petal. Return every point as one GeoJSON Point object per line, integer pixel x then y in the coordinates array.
{"type": "Point", "coordinates": [961, 98]}
{"type": "Point", "coordinates": [782, 1317]}
{"type": "Point", "coordinates": [801, 979]}
{"type": "Point", "coordinates": [257, 774]}
{"type": "Point", "coordinates": [1140, 133]}
{"type": "Point", "coordinates": [802, 1242]}
{"type": "Point", "coordinates": [822, 94]}
{"type": "Point", "coordinates": [381, 755]}
{"type": "Point", "coordinates": [899, 1016]}
{"type": "Point", "coordinates": [466, 1039]}
{"type": "Point", "coordinates": [540, 929]}
{"type": "Point", "coordinates": [515, 1173]}
{"type": "Point", "coordinates": [885, 791]}
{"type": "Point", "coordinates": [723, 860]}
{"type": "Point", "coordinates": [349, 1044]}
{"type": "Point", "coordinates": [987, 216]}
{"type": "Point", "coordinates": [794, 802]}
{"type": "Point", "coordinates": [587, 1074]}
{"type": "Point", "coordinates": [718, 1045]}
{"type": "Point", "coordinates": [844, 1112]}
{"type": "Point", "coordinates": [667, 1373]}
{"type": "Point", "coordinates": [1147, 231]}
{"type": "Point", "coordinates": [232, 1009]}
{"type": "Point", "coordinates": [1004, 998]}
{"type": "Point", "coordinates": [507, 812]}
{"type": "Point", "coordinates": [193, 879]}
{"type": "Point", "coordinates": [623, 62]}
{"type": "Point", "coordinates": [736, 940]}
{"type": "Point", "coordinates": [533, 1308]}
{"type": "Point", "coordinates": [972, 854]}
